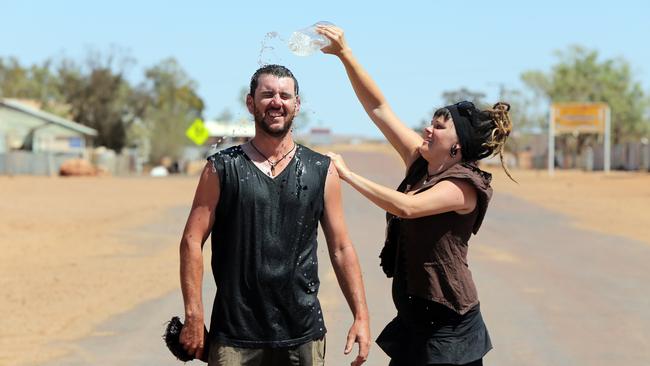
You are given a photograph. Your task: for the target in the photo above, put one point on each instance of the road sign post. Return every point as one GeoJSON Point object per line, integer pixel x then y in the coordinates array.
{"type": "Point", "coordinates": [576, 118]}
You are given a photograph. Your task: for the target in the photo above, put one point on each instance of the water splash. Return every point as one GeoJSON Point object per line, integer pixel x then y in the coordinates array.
{"type": "Point", "coordinates": [264, 58]}
{"type": "Point", "coordinates": [304, 44]}
{"type": "Point", "coordinates": [212, 161]}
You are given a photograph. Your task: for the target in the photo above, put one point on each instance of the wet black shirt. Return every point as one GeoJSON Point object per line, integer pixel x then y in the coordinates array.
{"type": "Point", "coordinates": [264, 251]}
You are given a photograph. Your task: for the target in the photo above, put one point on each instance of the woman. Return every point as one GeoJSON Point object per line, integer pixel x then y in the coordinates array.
{"type": "Point", "coordinates": [439, 204]}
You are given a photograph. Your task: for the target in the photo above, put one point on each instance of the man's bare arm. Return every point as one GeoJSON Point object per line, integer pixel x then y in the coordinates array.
{"type": "Point", "coordinates": [346, 266]}
{"type": "Point", "coordinates": [197, 230]}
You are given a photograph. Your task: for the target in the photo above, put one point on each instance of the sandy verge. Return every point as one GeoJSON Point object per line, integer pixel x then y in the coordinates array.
{"type": "Point", "coordinates": [71, 255]}
{"type": "Point", "coordinates": [615, 203]}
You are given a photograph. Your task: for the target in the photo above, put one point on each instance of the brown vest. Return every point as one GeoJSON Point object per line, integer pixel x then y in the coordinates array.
{"type": "Point", "coordinates": [433, 249]}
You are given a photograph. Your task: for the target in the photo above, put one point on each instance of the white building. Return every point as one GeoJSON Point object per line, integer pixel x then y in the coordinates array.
{"type": "Point", "coordinates": [36, 142]}
{"type": "Point", "coordinates": [26, 128]}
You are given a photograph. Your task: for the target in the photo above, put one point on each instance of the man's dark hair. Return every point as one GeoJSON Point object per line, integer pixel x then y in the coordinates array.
{"type": "Point", "coordinates": [275, 70]}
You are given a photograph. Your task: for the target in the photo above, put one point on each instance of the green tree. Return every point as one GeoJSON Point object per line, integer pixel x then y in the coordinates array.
{"type": "Point", "coordinates": [526, 118]}
{"type": "Point", "coordinates": [524, 111]}
{"type": "Point", "coordinates": [175, 104]}
{"type": "Point", "coordinates": [100, 97]}
{"type": "Point", "coordinates": [38, 83]}
{"type": "Point", "coordinates": [580, 76]}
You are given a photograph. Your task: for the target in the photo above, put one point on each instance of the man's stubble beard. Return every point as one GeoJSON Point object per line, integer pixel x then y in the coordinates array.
{"type": "Point", "coordinates": [259, 121]}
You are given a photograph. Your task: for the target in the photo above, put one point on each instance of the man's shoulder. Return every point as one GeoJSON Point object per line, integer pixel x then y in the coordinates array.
{"type": "Point", "coordinates": [316, 157]}
{"type": "Point", "coordinates": [230, 152]}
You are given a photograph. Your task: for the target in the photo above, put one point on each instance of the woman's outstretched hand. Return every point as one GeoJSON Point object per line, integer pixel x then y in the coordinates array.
{"type": "Point", "coordinates": [338, 45]}
{"type": "Point", "coordinates": [341, 168]}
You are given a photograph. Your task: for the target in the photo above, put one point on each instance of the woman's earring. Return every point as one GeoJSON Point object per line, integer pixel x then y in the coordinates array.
{"type": "Point", "coordinates": [453, 151]}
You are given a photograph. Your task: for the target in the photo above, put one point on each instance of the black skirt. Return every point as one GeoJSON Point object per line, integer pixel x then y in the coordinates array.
{"type": "Point", "coordinates": [425, 332]}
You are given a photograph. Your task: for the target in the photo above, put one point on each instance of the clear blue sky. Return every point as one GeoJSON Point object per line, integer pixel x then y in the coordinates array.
{"type": "Point", "coordinates": [415, 50]}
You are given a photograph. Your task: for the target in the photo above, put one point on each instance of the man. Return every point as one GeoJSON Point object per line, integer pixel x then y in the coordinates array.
{"type": "Point", "coordinates": [262, 202]}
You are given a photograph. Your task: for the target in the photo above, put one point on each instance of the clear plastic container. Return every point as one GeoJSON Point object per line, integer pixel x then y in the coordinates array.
{"type": "Point", "coordinates": [306, 41]}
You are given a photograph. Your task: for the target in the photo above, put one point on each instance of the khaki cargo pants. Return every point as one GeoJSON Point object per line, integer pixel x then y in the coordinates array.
{"type": "Point", "coordinates": [308, 354]}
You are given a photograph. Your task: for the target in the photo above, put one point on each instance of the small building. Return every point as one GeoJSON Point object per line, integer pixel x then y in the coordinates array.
{"type": "Point", "coordinates": [222, 135]}
{"type": "Point", "coordinates": [26, 128]}
{"type": "Point", "coordinates": [36, 142]}
{"type": "Point", "coordinates": [226, 134]}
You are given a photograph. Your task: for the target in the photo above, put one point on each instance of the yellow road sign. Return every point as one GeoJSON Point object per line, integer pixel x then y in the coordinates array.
{"type": "Point", "coordinates": [197, 132]}
{"type": "Point", "coordinates": [576, 118]}
{"type": "Point", "coordinates": [579, 117]}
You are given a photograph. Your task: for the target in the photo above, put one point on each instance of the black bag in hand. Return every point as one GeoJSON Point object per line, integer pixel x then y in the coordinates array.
{"type": "Point", "coordinates": [172, 340]}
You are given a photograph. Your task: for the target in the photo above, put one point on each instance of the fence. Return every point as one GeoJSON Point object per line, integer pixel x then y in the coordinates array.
{"type": "Point", "coordinates": [48, 164]}
{"type": "Point", "coordinates": [29, 163]}
{"type": "Point", "coordinates": [628, 156]}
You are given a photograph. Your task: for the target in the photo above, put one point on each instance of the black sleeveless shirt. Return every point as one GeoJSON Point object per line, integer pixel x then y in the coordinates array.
{"type": "Point", "coordinates": [264, 251]}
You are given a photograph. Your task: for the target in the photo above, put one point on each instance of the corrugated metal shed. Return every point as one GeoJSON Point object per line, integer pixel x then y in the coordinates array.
{"type": "Point", "coordinates": [24, 126]}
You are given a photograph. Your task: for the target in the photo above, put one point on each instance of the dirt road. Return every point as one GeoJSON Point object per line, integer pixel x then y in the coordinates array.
{"type": "Point", "coordinates": [552, 293]}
